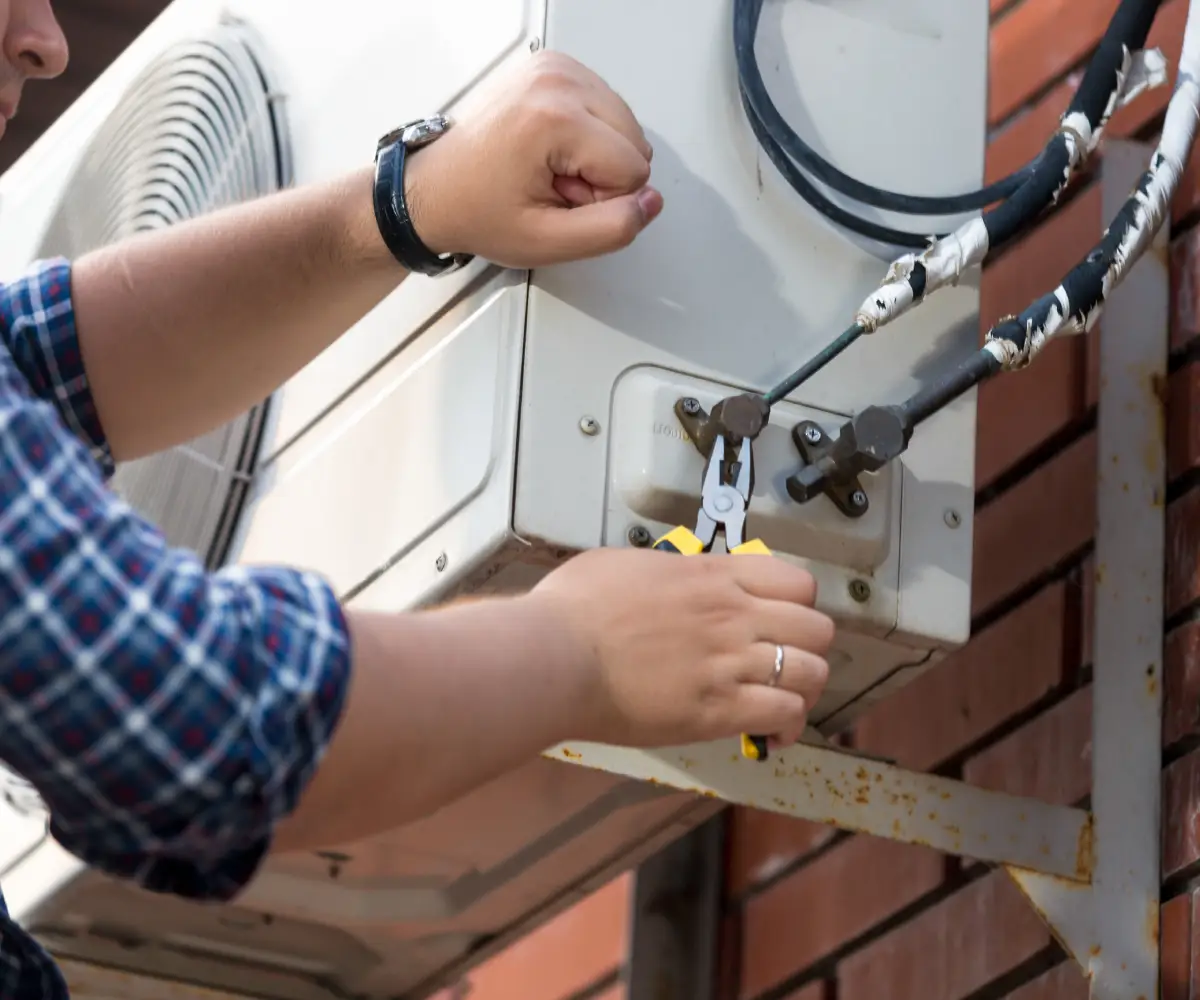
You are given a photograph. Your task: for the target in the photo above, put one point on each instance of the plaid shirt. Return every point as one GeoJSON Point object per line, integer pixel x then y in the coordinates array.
{"type": "Point", "coordinates": [167, 716]}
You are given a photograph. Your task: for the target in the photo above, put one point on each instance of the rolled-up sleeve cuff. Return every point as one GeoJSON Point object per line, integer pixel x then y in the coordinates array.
{"type": "Point", "coordinates": [37, 312]}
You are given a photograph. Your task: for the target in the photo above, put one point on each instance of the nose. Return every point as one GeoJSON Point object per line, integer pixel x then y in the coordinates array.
{"type": "Point", "coordinates": [34, 42]}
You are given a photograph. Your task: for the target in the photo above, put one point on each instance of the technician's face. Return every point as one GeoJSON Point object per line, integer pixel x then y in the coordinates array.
{"type": "Point", "coordinates": [32, 47]}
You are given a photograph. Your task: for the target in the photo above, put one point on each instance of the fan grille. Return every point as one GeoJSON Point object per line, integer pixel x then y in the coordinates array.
{"type": "Point", "coordinates": [198, 130]}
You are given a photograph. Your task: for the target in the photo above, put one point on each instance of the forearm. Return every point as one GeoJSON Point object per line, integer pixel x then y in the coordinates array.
{"type": "Point", "coordinates": [184, 328]}
{"type": "Point", "coordinates": [440, 703]}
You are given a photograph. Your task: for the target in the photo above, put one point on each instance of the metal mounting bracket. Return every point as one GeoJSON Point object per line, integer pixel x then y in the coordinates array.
{"type": "Point", "coordinates": [1093, 875]}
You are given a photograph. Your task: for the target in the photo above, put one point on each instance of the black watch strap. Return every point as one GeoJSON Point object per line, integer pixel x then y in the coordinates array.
{"type": "Point", "coordinates": [394, 221]}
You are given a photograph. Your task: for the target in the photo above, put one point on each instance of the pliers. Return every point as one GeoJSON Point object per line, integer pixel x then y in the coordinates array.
{"type": "Point", "coordinates": [723, 506]}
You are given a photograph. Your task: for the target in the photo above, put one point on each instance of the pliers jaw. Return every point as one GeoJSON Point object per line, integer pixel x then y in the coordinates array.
{"type": "Point", "coordinates": [723, 503]}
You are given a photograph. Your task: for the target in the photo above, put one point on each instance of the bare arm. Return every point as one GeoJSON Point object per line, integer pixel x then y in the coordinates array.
{"type": "Point", "coordinates": [185, 328]}
{"type": "Point", "coordinates": [439, 704]}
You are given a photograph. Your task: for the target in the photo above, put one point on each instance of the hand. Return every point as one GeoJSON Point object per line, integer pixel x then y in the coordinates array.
{"type": "Point", "coordinates": [682, 649]}
{"type": "Point", "coordinates": [554, 168]}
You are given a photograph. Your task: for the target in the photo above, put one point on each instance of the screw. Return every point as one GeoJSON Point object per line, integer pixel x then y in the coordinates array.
{"type": "Point", "coordinates": [535, 44]}
{"type": "Point", "coordinates": [590, 426]}
{"type": "Point", "coordinates": [441, 562]}
{"type": "Point", "coordinates": [953, 519]}
{"type": "Point", "coordinates": [858, 498]}
{"type": "Point", "coordinates": [691, 406]}
{"type": "Point", "coordinates": [812, 434]}
{"type": "Point", "coordinates": [639, 537]}
{"type": "Point", "coordinates": [860, 590]}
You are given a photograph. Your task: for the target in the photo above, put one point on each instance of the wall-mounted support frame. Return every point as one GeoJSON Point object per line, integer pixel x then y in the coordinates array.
{"type": "Point", "coordinates": [1093, 875]}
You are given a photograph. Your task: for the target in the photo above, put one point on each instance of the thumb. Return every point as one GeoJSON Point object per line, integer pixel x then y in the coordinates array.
{"type": "Point", "coordinates": [601, 227]}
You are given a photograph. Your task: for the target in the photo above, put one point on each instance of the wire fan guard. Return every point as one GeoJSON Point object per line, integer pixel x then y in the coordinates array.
{"type": "Point", "coordinates": [198, 130]}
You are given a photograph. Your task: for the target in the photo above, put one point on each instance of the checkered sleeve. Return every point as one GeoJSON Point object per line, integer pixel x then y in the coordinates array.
{"type": "Point", "coordinates": [37, 319]}
{"type": "Point", "coordinates": [168, 716]}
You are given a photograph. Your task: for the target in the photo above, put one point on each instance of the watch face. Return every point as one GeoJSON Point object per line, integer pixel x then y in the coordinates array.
{"type": "Point", "coordinates": [419, 133]}
{"type": "Point", "coordinates": [416, 133]}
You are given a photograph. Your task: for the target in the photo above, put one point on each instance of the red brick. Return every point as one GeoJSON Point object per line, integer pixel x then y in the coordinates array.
{"type": "Point", "coordinates": [762, 844]}
{"type": "Point", "coordinates": [577, 948]}
{"type": "Point", "coordinates": [841, 895]}
{"type": "Point", "coordinates": [1049, 758]}
{"type": "Point", "coordinates": [1021, 139]}
{"type": "Point", "coordinates": [1183, 552]}
{"type": "Point", "coordinates": [1008, 667]}
{"type": "Point", "coordinates": [1181, 814]}
{"type": "Point", "coordinates": [1175, 935]}
{"type": "Point", "coordinates": [1063, 982]}
{"type": "Point", "coordinates": [951, 950]}
{"type": "Point", "coordinates": [1181, 685]}
{"type": "Point", "coordinates": [1036, 44]}
{"type": "Point", "coordinates": [1039, 523]}
{"type": "Point", "coordinates": [1185, 288]}
{"type": "Point", "coordinates": [1183, 421]}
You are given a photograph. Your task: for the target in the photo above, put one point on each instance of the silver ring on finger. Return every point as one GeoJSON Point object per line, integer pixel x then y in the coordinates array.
{"type": "Point", "coordinates": [777, 673]}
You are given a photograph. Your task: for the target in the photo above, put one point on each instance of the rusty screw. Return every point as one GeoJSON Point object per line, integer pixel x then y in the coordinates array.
{"type": "Point", "coordinates": [691, 406]}
{"type": "Point", "coordinates": [639, 537]}
{"type": "Point", "coordinates": [860, 591]}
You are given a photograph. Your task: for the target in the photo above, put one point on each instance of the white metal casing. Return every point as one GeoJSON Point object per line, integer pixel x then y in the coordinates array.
{"type": "Point", "coordinates": [437, 447]}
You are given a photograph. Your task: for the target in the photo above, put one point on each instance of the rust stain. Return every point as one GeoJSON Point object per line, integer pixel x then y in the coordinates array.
{"type": "Point", "coordinates": [571, 754]}
{"type": "Point", "coordinates": [1085, 850]}
{"type": "Point", "coordinates": [1094, 951]}
{"type": "Point", "coordinates": [1152, 925]}
{"type": "Point", "coordinates": [688, 763]}
{"type": "Point", "coordinates": [861, 774]}
{"type": "Point", "coordinates": [933, 817]}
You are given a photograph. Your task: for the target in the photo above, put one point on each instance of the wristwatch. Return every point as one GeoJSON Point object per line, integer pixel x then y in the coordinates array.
{"type": "Point", "coordinates": [391, 210]}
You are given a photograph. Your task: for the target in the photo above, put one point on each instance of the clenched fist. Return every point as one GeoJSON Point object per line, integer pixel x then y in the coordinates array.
{"type": "Point", "coordinates": [554, 168]}
{"type": "Point", "coordinates": [683, 650]}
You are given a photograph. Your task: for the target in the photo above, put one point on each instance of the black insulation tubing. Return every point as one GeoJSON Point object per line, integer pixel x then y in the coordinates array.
{"type": "Point", "coordinates": [1128, 29]}
{"type": "Point", "coordinates": [746, 17]}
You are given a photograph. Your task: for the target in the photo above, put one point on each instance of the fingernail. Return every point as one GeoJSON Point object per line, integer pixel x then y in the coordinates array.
{"type": "Point", "coordinates": [650, 202]}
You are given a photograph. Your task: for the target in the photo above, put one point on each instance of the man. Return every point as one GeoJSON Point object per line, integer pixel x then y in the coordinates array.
{"type": "Point", "coordinates": [180, 723]}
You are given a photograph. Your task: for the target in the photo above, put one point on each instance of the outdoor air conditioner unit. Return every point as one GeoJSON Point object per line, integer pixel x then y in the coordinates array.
{"type": "Point", "coordinates": [472, 432]}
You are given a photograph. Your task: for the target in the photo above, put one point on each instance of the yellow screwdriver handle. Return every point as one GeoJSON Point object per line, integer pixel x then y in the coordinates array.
{"type": "Point", "coordinates": [683, 541]}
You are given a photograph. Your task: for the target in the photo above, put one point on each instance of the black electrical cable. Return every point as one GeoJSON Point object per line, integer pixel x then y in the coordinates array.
{"type": "Point", "coordinates": [832, 211]}
{"type": "Point", "coordinates": [746, 17]}
{"type": "Point", "coordinates": [1040, 182]}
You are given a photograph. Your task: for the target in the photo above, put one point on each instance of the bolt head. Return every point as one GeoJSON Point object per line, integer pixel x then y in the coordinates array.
{"type": "Point", "coordinates": [639, 537]}
{"type": "Point", "coordinates": [441, 562]}
{"type": "Point", "coordinates": [860, 591]}
{"type": "Point", "coordinates": [691, 406]}
{"type": "Point", "coordinates": [953, 519]}
{"type": "Point", "coordinates": [535, 44]}
{"type": "Point", "coordinates": [589, 426]}
{"type": "Point", "coordinates": [858, 498]}
{"type": "Point", "coordinates": [812, 435]}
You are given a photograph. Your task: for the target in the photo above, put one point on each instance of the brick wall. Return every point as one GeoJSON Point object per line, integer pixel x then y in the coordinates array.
{"type": "Point", "coordinates": [817, 914]}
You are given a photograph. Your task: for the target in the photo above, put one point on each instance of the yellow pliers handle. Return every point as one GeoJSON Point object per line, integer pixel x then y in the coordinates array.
{"type": "Point", "coordinates": [683, 541]}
